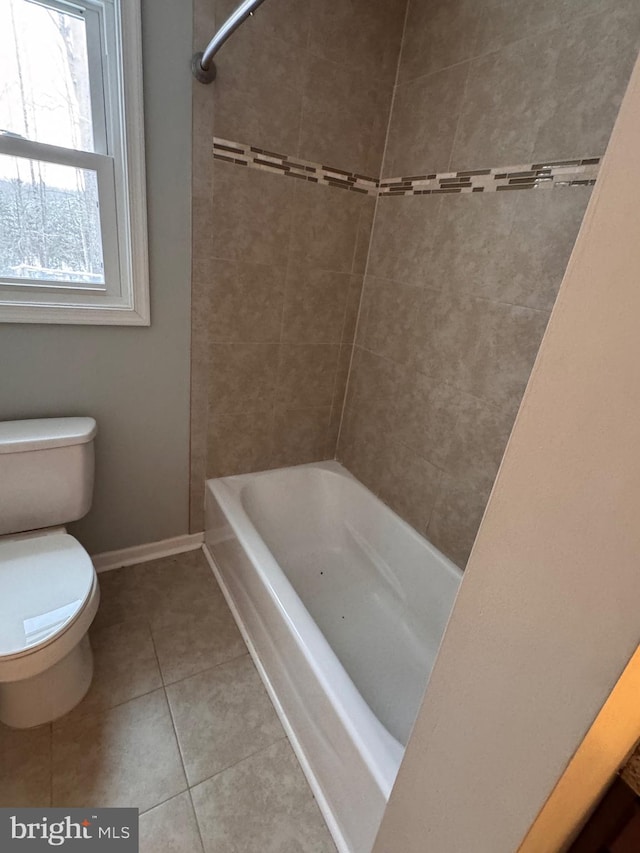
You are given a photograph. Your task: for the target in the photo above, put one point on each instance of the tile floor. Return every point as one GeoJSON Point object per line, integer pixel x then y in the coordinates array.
{"type": "Point", "coordinates": [176, 723]}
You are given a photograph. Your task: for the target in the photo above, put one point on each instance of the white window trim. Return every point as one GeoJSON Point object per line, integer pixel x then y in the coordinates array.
{"type": "Point", "coordinates": [122, 182]}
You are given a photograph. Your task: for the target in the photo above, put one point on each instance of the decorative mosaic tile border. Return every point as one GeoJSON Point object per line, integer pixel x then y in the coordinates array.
{"type": "Point", "coordinates": [558, 173]}
{"type": "Point", "coordinates": [292, 167]}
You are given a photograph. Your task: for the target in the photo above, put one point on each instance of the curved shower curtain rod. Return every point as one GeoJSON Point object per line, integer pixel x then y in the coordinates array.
{"type": "Point", "coordinates": [202, 64]}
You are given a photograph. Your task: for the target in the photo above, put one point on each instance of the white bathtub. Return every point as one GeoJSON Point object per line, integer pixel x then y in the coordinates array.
{"type": "Point", "coordinates": [343, 606]}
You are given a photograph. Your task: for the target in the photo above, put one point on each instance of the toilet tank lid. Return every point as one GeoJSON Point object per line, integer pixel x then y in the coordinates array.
{"type": "Point", "coordinates": [45, 433]}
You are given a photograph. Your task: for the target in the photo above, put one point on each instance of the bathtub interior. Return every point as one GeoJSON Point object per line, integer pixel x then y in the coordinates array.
{"type": "Point", "coordinates": [380, 594]}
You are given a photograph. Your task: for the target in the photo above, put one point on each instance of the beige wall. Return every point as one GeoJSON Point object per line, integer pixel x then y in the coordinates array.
{"type": "Point", "coordinates": [134, 381]}
{"type": "Point", "coordinates": [546, 618]}
{"type": "Point", "coordinates": [458, 289]}
{"type": "Point", "coordinates": [278, 263]}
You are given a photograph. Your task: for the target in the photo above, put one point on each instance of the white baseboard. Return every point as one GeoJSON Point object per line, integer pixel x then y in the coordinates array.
{"type": "Point", "coordinates": [151, 551]}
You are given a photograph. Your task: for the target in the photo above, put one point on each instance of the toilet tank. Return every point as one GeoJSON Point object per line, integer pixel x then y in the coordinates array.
{"type": "Point", "coordinates": [46, 472]}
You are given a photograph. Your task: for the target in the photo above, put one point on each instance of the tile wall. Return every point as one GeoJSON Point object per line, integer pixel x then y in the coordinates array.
{"type": "Point", "coordinates": [450, 282]}
{"type": "Point", "coordinates": [279, 267]}
{"type": "Point", "coordinates": [458, 288]}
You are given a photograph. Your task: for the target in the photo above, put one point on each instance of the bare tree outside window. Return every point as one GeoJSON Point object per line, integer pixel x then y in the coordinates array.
{"type": "Point", "coordinates": [49, 213]}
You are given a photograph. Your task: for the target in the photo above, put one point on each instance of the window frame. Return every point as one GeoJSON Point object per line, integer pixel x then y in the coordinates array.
{"type": "Point", "coordinates": [114, 50]}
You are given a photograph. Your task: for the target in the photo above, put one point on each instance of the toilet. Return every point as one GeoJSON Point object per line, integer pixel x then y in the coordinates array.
{"type": "Point", "coordinates": [48, 586]}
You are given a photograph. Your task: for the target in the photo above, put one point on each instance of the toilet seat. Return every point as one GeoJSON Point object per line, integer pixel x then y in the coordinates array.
{"type": "Point", "coordinates": [48, 597]}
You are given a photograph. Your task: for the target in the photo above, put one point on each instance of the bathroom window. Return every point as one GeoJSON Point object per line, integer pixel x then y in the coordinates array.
{"type": "Point", "coordinates": [73, 243]}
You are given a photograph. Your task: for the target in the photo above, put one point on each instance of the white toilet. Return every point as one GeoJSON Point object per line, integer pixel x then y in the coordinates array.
{"type": "Point", "coordinates": [48, 586]}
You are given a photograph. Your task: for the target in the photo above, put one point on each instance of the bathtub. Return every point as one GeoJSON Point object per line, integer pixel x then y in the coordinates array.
{"type": "Point", "coordinates": [343, 606]}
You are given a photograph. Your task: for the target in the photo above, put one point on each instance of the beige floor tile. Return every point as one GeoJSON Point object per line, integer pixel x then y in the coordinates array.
{"type": "Point", "coordinates": [178, 588]}
{"type": "Point", "coordinates": [124, 757]}
{"type": "Point", "coordinates": [125, 666]}
{"type": "Point", "coordinates": [120, 597]}
{"type": "Point", "coordinates": [222, 716]}
{"type": "Point", "coordinates": [170, 828]}
{"type": "Point", "coordinates": [195, 644]}
{"type": "Point", "coordinates": [25, 767]}
{"type": "Point", "coordinates": [262, 805]}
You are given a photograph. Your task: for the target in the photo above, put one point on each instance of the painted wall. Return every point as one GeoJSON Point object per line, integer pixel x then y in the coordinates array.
{"type": "Point", "coordinates": [278, 263]}
{"type": "Point", "coordinates": [546, 617]}
{"type": "Point", "coordinates": [134, 381]}
{"type": "Point", "coordinates": [458, 289]}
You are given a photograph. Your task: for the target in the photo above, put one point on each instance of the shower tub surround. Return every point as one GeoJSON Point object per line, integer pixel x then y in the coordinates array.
{"type": "Point", "coordinates": [454, 272]}
{"type": "Point", "coordinates": [343, 606]}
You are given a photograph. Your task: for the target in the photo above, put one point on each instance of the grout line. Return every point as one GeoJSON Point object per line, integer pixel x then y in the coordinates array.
{"type": "Point", "coordinates": [461, 108]}
{"type": "Point", "coordinates": [163, 802]}
{"type": "Point", "coordinates": [175, 734]}
{"type": "Point", "coordinates": [99, 712]}
{"type": "Point", "coordinates": [371, 235]}
{"type": "Point", "coordinates": [195, 815]}
{"type": "Point", "coordinates": [532, 34]}
{"type": "Point", "coordinates": [244, 758]}
{"type": "Point", "coordinates": [206, 669]}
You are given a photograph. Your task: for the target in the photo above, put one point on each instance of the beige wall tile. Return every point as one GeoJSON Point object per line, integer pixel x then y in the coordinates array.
{"type": "Point", "coordinates": [300, 435]}
{"type": "Point", "coordinates": [306, 374]}
{"type": "Point", "coordinates": [287, 20]}
{"type": "Point", "coordinates": [259, 55]}
{"type": "Point", "coordinates": [359, 447]}
{"type": "Point", "coordinates": [506, 21]}
{"type": "Point", "coordinates": [503, 108]}
{"type": "Point", "coordinates": [315, 305]}
{"type": "Point", "coordinates": [246, 302]}
{"type": "Point", "coordinates": [239, 442]}
{"type": "Point", "coordinates": [354, 296]}
{"type": "Point", "coordinates": [202, 228]}
{"type": "Point", "coordinates": [371, 395]}
{"type": "Point", "coordinates": [408, 483]}
{"type": "Point", "coordinates": [242, 377]}
{"type": "Point", "coordinates": [241, 116]}
{"type": "Point", "coordinates": [456, 518]}
{"type": "Point", "coordinates": [477, 441]}
{"type": "Point", "coordinates": [365, 227]}
{"type": "Point", "coordinates": [424, 121]}
{"type": "Point", "coordinates": [392, 319]}
{"type": "Point", "coordinates": [426, 415]}
{"type": "Point", "coordinates": [358, 34]}
{"type": "Point", "coordinates": [324, 227]}
{"type": "Point", "coordinates": [339, 395]}
{"type": "Point", "coordinates": [507, 342]}
{"type": "Point", "coordinates": [544, 230]}
{"type": "Point", "coordinates": [438, 34]}
{"type": "Point", "coordinates": [251, 215]}
{"type": "Point", "coordinates": [403, 238]}
{"type": "Point", "coordinates": [340, 111]}
{"type": "Point", "coordinates": [594, 60]}
{"type": "Point", "coordinates": [509, 247]}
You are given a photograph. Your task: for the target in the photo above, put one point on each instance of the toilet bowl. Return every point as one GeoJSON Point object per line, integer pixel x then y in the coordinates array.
{"type": "Point", "coordinates": [49, 590]}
